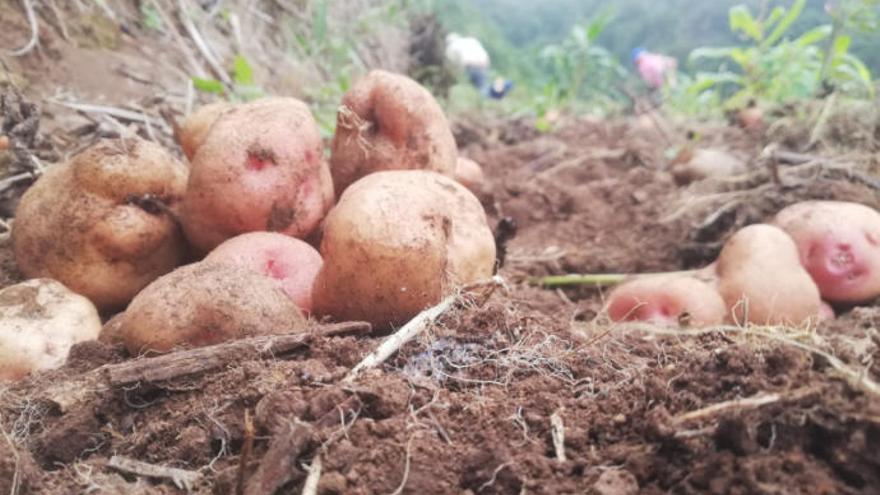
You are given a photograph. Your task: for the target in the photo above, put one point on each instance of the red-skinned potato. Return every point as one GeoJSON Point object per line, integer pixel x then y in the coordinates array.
{"type": "Point", "coordinates": [396, 243]}
{"type": "Point", "coordinates": [389, 122]}
{"type": "Point", "coordinates": [291, 262]}
{"type": "Point", "coordinates": [762, 281]}
{"type": "Point", "coordinates": [701, 164]}
{"type": "Point", "coordinates": [260, 168]}
{"type": "Point", "coordinates": [667, 300]}
{"type": "Point", "coordinates": [469, 174]}
{"type": "Point", "coordinates": [104, 224]}
{"type": "Point", "coordinates": [839, 245]}
{"type": "Point", "coordinates": [40, 320]}
{"type": "Point", "coordinates": [194, 130]}
{"type": "Point", "coordinates": [203, 304]}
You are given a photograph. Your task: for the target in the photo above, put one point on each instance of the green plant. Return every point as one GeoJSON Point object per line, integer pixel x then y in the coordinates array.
{"type": "Point", "coordinates": [774, 68]}
{"type": "Point", "coordinates": [243, 88]}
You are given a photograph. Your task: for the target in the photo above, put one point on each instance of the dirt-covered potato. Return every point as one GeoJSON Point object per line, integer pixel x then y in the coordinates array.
{"type": "Point", "coordinates": [469, 174]}
{"type": "Point", "coordinates": [389, 122]}
{"type": "Point", "coordinates": [260, 168]}
{"type": "Point", "coordinates": [104, 224]}
{"type": "Point", "coordinates": [667, 300]}
{"type": "Point", "coordinates": [40, 320]}
{"type": "Point", "coordinates": [707, 164]}
{"type": "Point", "coordinates": [762, 281]}
{"type": "Point", "coordinates": [194, 130]}
{"type": "Point", "coordinates": [397, 242]}
{"type": "Point", "coordinates": [839, 245]}
{"type": "Point", "coordinates": [293, 263]}
{"type": "Point", "coordinates": [206, 303]}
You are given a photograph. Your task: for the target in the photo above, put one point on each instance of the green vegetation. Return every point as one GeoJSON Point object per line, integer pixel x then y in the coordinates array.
{"type": "Point", "coordinates": [562, 54]}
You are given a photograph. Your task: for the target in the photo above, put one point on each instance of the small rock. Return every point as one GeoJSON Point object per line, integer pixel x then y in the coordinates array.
{"type": "Point", "coordinates": [616, 482]}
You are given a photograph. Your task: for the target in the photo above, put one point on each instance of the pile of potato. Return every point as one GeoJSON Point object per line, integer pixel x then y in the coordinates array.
{"type": "Point", "coordinates": [225, 246]}
{"type": "Point", "coordinates": [811, 257]}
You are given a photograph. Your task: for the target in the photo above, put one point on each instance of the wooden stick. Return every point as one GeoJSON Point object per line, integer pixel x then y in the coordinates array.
{"type": "Point", "coordinates": [182, 478]}
{"type": "Point", "coordinates": [406, 333]}
{"type": "Point", "coordinates": [557, 431]}
{"type": "Point", "coordinates": [310, 487]}
{"type": "Point", "coordinates": [186, 363]}
{"type": "Point", "coordinates": [279, 466]}
{"type": "Point", "coordinates": [743, 404]}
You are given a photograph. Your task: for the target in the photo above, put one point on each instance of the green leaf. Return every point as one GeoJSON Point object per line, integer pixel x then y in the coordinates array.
{"type": "Point", "coordinates": [208, 85]}
{"type": "Point", "coordinates": [243, 73]}
{"type": "Point", "coordinates": [711, 53]}
{"type": "Point", "coordinates": [782, 26]}
{"type": "Point", "coordinates": [841, 45]}
{"type": "Point", "coordinates": [742, 20]}
{"type": "Point", "coordinates": [814, 35]}
{"type": "Point", "coordinates": [319, 21]}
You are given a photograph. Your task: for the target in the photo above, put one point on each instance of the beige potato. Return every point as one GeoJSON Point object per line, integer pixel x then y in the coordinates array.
{"type": "Point", "coordinates": [389, 122]}
{"type": "Point", "coordinates": [40, 320]}
{"type": "Point", "coordinates": [396, 243]}
{"type": "Point", "coordinates": [104, 224]}
{"type": "Point", "coordinates": [762, 281]}
{"type": "Point", "coordinates": [203, 304]}
{"type": "Point", "coordinates": [707, 164]}
{"type": "Point", "coordinates": [260, 168]}
{"type": "Point", "coordinates": [194, 130]}
{"type": "Point", "coordinates": [469, 174]}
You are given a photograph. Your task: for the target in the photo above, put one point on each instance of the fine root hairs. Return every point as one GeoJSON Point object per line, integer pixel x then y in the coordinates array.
{"type": "Point", "coordinates": [406, 333]}
{"type": "Point", "coordinates": [414, 327]}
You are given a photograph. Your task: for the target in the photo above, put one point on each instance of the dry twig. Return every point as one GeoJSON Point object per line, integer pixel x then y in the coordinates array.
{"type": "Point", "coordinates": [34, 27]}
{"type": "Point", "coordinates": [182, 478]}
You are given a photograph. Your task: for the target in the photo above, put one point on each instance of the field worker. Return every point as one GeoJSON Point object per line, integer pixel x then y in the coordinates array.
{"type": "Point", "coordinates": [655, 69]}
{"type": "Point", "coordinates": [468, 53]}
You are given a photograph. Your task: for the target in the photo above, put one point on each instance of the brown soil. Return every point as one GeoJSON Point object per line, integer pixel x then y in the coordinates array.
{"type": "Point", "coordinates": [469, 407]}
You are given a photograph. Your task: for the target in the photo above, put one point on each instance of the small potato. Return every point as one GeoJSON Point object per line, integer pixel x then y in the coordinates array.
{"type": "Point", "coordinates": [291, 262]}
{"type": "Point", "coordinates": [396, 243]}
{"type": "Point", "coordinates": [195, 128]}
{"type": "Point", "coordinates": [40, 320]}
{"type": "Point", "coordinates": [104, 224]}
{"type": "Point", "coordinates": [389, 122]}
{"type": "Point", "coordinates": [667, 300]}
{"type": "Point", "coordinates": [751, 118]}
{"type": "Point", "coordinates": [203, 304]}
{"type": "Point", "coordinates": [839, 245]}
{"type": "Point", "coordinates": [469, 174]}
{"type": "Point", "coordinates": [260, 168]}
{"type": "Point", "coordinates": [707, 164]}
{"type": "Point", "coordinates": [762, 281]}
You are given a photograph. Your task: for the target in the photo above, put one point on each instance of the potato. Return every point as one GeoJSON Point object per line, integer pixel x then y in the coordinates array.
{"type": "Point", "coordinates": [762, 281]}
{"type": "Point", "coordinates": [469, 174]}
{"type": "Point", "coordinates": [839, 245]}
{"type": "Point", "coordinates": [396, 243]}
{"type": "Point", "coordinates": [203, 304]}
{"type": "Point", "coordinates": [389, 122]}
{"type": "Point", "coordinates": [261, 167]}
{"type": "Point", "coordinates": [195, 128]}
{"type": "Point", "coordinates": [293, 263]}
{"type": "Point", "coordinates": [40, 320]}
{"type": "Point", "coordinates": [751, 118]}
{"type": "Point", "coordinates": [667, 300]}
{"type": "Point", "coordinates": [707, 164]}
{"type": "Point", "coordinates": [104, 224]}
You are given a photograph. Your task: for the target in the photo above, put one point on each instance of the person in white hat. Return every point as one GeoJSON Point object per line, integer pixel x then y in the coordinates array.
{"type": "Point", "coordinates": [468, 53]}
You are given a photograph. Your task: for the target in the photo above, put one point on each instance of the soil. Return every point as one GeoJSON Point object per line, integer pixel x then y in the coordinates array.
{"type": "Point", "coordinates": [470, 405]}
